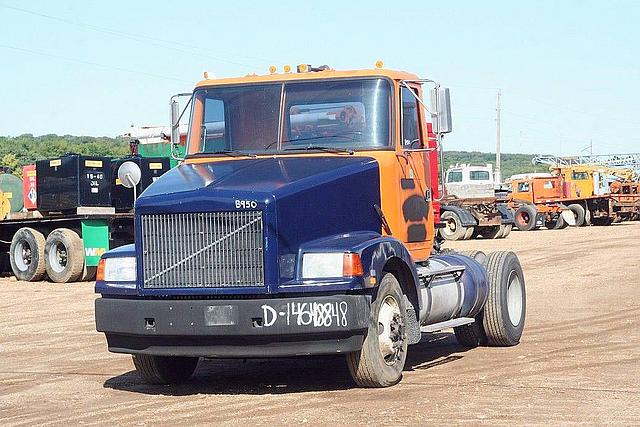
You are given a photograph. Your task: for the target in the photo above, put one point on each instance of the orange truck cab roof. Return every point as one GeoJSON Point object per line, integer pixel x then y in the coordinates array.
{"type": "Point", "coordinates": [309, 75]}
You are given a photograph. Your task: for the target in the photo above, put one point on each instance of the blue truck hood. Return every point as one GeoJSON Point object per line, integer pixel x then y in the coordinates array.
{"type": "Point", "coordinates": [255, 177]}
{"type": "Point", "coordinates": [302, 199]}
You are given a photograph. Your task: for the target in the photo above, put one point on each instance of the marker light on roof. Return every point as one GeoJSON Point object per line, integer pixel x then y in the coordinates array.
{"type": "Point", "coordinates": [272, 69]}
{"type": "Point", "coordinates": [303, 68]}
{"type": "Point", "coordinates": [287, 68]}
{"type": "Point", "coordinates": [379, 63]}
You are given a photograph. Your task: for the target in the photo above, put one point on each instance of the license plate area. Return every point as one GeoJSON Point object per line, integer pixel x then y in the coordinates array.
{"type": "Point", "coordinates": [221, 315]}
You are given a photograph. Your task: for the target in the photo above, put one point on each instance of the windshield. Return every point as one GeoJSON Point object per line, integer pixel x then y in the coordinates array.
{"type": "Point", "coordinates": [274, 117]}
{"type": "Point", "coordinates": [479, 175]}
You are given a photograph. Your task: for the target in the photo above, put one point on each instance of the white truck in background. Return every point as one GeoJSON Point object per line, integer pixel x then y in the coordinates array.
{"type": "Point", "coordinates": [470, 207]}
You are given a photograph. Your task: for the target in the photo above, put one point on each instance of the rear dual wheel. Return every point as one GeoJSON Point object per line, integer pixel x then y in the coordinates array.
{"type": "Point", "coordinates": [64, 254]}
{"type": "Point", "coordinates": [26, 254]}
{"type": "Point", "coordinates": [556, 223]}
{"type": "Point", "coordinates": [453, 228]}
{"type": "Point", "coordinates": [501, 321]}
{"type": "Point", "coordinates": [496, 231]}
{"type": "Point", "coordinates": [579, 214]}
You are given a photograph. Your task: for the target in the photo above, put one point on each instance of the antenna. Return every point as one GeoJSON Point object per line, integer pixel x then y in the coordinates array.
{"type": "Point", "coordinates": [498, 171]}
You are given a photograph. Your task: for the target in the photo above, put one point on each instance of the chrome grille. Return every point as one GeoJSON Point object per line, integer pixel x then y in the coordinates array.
{"type": "Point", "coordinates": [203, 250]}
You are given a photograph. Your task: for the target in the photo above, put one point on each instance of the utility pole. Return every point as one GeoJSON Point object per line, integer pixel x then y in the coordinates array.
{"type": "Point", "coordinates": [498, 171]}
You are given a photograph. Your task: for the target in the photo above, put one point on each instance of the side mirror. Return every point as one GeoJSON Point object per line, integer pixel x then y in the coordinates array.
{"type": "Point", "coordinates": [441, 104]}
{"type": "Point", "coordinates": [175, 122]}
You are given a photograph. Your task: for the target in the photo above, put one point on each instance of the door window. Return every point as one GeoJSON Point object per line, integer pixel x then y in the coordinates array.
{"type": "Point", "coordinates": [410, 121]}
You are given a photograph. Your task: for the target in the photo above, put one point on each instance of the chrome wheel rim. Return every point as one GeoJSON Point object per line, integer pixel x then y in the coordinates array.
{"type": "Point", "coordinates": [22, 256]}
{"type": "Point", "coordinates": [390, 330]}
{"type": "Point", "coordinates": [57, 257]}
{"type": "Point", "coordinates": [514, 299]}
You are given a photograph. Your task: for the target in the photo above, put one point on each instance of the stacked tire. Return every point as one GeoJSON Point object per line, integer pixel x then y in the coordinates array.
{"type": "Point", "coordinates": [59, 256]}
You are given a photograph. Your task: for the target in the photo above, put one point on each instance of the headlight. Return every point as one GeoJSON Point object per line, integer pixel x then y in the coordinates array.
{"type": "Point", "coordinates": [117, 269]}
{"type": "Point", "coordinates": [330, 264]}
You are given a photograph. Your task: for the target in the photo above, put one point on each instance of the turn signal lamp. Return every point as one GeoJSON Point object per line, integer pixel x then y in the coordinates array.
{"type": "Point", "coordinates": [351, 265]}
{"type": "Point", "coordinates": [100, 270]}
{"type": "Point", "coordinates": [272, 69]}
{"type": "Point", "coordinates": [287, 68]}
{"type": "Point", "coordinates": [379, 63]}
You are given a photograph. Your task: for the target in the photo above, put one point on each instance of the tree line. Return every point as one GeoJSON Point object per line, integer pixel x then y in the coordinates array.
{"type": "Point", "coordinates": [26, 149]}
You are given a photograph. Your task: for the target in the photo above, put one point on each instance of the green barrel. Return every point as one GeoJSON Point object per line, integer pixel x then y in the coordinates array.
{"type": "Point", "coordinates": [11, 186]}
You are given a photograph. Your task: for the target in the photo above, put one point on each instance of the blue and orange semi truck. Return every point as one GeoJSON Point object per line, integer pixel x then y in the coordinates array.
{"type": "Point", "coordinates": [302, 221]}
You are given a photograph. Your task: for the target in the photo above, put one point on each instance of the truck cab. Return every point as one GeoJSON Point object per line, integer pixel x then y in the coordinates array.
{"type": "Point", "coordinates": [301, 222]}
{"type": "Point", "coordinates": [539, 189]}
{"type": "Point", "coordinates": [466, 181]}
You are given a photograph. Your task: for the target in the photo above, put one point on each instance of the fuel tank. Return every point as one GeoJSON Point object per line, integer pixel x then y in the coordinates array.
{"type": "Point", "coordinates": [452, 286]}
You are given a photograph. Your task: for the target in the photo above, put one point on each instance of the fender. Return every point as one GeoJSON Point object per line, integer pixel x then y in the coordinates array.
{"type": "Point", "coordinates": [375, 252]}
{"type": "Point", "coordinates": [465, 216]}
{"type": "Point", "coordinates": [506, 213]}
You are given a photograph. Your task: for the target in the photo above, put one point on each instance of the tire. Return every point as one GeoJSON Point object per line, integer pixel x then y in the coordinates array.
{"type": "Point", "coordinates": [578, 213]}
{"type": "Point", "coordinates": [453, 229]}
{"type": "Point", "coordinates": [471, 335]}
{"type": "Point", "coordinates": [603, 221]}
{"type": "Point", "coordinates": [525, 218]}
{"type": "Point", "coordinates": [587, 217]}
{"type": "Point", "coordinates": [504, 313]}
{"type": "Point", "coordinates": [380, 361]}
{"type": "Point", "coordinates": [164, 369]}
{"type": "Point", "coordinates": [479, 256]}
{"type": "Point", "coordinates": [494, 232]}
{"type": "Point", "coordinates": [26, 255]}
{"type": "Point", "coordinates": [557, 223]}
{"type": "Point", "coordinates": [507, 230]}
{"type": "Point", "coordinates": [468, 234]}
{"type": "Point", "coordinates": [5, 263]}
{"type": "Point", "coordinates": [64, 255]}
{"type": "Point", "coordinates": [88, 274]}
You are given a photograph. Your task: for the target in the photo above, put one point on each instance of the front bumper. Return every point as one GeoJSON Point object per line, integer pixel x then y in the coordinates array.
{"type": "Point", "coordinates": [244, 328]}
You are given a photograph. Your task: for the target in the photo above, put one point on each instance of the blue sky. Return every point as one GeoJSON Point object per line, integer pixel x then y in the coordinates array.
{"type": "Point", "coordinates": [569, 71]}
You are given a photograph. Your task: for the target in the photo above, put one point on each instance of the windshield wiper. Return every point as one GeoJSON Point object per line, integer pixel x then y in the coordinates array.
{"type": "Point", "coordinates": [311, 138]}
{"type": "Point", "coordinates": [233, 153]}
{"type": "Point", "coordinates": [320, 148]}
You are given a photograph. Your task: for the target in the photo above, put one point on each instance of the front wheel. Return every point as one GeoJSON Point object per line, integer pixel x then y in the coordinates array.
{"type": "Point", "coordinates": [164, 369]}
{"type": "Point", "coordinates": [380, 361]}
{"type": "Point", "coordinates": [525, 218]}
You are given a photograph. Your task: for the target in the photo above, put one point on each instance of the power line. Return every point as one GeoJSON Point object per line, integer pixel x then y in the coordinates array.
{"type": "Point", "coordinates": [94, 64]}
{"type": "Point", "coordinates": [169, 44]}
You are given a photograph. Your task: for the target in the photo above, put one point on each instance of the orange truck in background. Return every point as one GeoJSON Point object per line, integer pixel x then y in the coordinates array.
{"type": "Point", "coordinates": [593, 195]}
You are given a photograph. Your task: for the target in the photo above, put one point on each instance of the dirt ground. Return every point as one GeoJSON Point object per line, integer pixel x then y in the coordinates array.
{"type": "Point", "coordinates": [578, 362]}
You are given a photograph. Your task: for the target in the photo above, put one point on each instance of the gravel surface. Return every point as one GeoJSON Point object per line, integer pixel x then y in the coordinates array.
{"type": "Point", "coordinates": [578, 362]}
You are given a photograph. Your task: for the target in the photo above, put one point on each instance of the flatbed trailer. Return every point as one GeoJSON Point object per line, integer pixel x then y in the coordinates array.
{"type": "Point", "coordinates": [61, 247]}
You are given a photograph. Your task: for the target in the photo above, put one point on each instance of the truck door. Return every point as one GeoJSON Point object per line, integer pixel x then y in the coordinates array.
{"type": "Point", "coordinates": [415, 197]}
